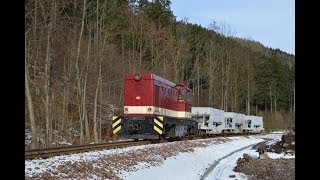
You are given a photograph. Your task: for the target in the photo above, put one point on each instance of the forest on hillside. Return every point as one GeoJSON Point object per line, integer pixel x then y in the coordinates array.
{"type": "Point", "coordinates": [77, 52]}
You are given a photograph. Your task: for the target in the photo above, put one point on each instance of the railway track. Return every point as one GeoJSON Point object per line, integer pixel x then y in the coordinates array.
{"type": "Point", "coordinates": [49, 152]}
{"type": "Point", "coordinates": [212, 166]}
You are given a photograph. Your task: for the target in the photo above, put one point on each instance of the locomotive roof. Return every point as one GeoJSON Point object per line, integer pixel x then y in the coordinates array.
{"type": "Point", "coordinates": [161, 79]}
{"type": "Point", "coordinates": [156, 77]}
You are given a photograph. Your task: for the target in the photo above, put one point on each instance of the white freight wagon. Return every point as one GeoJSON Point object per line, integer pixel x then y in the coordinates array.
{"type": "Point", "coordinates": [248, 124]}
{"type": "Point", "coordinates": [253, 124]}
{"type": "Point", "coordinates": [241, 119]}
{"type": "Point", "coordinates": [234, 121]}
{"type": "Point", "coordinates": [257, 124]}
{"type": "Point", "coordinates": [210, 120]}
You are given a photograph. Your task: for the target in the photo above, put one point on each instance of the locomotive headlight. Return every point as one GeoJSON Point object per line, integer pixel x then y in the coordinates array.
{"type": "Point", "coordinates": [149, 109]}
{"type": "Point", "coordinates": [137, 77]}
{"type": "Point", "coordinates": [125, 109]}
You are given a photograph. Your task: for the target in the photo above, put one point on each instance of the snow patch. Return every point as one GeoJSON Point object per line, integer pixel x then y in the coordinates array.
{"type": "Point", "coordinates": [42, 165]}
{"type": "Point", "coordinates": [278, 156]}
{"type": "Point", "coordinates": [274, 141]}
{"type": "Point", "coordinates": [191, 165]}
{"type": "Point", "coordinates": [224, 170]}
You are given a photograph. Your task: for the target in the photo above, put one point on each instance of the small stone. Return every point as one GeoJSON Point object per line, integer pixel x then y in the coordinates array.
{"type": "Point", "coordinates": [264, 156]}
{"type": "Point", "coordinates": [247, 157]}
{"type": "Point", "coordinates": [232, 176]}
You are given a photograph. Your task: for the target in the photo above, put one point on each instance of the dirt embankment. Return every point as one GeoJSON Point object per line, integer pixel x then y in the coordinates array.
{"type": "Point", "coordinates": [286, 145]}
{"type": "Point", "coordinates": [266, 168]}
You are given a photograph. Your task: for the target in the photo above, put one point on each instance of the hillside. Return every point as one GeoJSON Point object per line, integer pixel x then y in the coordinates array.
{"type": "Point", "coordinates": [77, 53]}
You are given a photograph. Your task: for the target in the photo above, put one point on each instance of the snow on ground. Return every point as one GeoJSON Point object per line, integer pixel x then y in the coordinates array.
{"type": "Point", "coordinates": [174, 160]}
{"type": "Point", "coordinates": [274, 137]}
{"type": "Point", "coordinates": [58, 139]}
{"type": "Point", "coordinates": [225, 167]}
{"type": "Point", "coordinates": [107, 164]}
{"type": "Point", "coordinates": [282, 155]}
{"type": "Point", "coordinates": [273, 141]}
{"type": "Point", "coordinates": [281, 131]}
{"type": "Point", "coordinates": [122, 140]}
{"type": "Point", "coordinates": [41, 165]}
{"type": "Point", "coordinates": [28, 136]}
{"type": "Point", "coordinates": [189, 165]}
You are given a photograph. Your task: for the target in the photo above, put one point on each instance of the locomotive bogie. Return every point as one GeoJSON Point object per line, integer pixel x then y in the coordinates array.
{"type": "Point", "coordinates": [155, 127]}
{"type": "Point", "coordinates": [141, 127]}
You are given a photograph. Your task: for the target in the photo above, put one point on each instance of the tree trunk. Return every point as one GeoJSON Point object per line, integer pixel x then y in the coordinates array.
{"type": "Point", "coordinates": [270, 99]}
{"type": "Point", "coordinates": [97, 24]}
{"type": "Point", "coordinates": [122, 54]}
{"type": "Point", "coordinates": [222, 85]}
{"type": "Point", "coordinates": [198, 82]}
{"type": "Point", "coordinates": [85, 115]}
{"type": "Point", "coordinates": [227, 83]}
{"type": "Point", "coordinates": [35, 35]}
{"type": "Point", "coordinates": [78, 71]}
{"type": "Point", "coordinates": [95, 104]}
{"type": "Point", "coordinates": [66, 98]}
{"type": "Point", "coordinates": [30, 108]}
{"type": "Point", "coordinates": [100, 121]}
{"type": "Point", "coordinates": [140, 46]}
{"type": "Point", "coordinates": [114, 93]}
{"type": "Point", "coordinates": [294, 98]}
{"type": "Point", "coordinates": [275, 104]}
{"type": "Point", "coordinates": [48, 84]}
{"type": "Point", "coordinates": [248, 96]}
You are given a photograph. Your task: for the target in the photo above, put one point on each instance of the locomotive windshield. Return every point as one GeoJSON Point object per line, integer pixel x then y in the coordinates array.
{"type": "Point", "coordinates": [181, 94]}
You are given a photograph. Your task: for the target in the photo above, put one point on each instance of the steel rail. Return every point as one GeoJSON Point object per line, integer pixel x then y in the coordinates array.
{"type": "Point", "coordinates": [55, 151]}
{"type": "Point", "coordinates": [48, 152]}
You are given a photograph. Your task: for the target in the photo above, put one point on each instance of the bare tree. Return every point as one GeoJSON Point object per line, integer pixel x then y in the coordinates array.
{"type": "Point", "coordinates": [30, 106]}
{"type": "Point", "coordinates": [95, 102]}
{"type": "Point", "coordinates": [78, 71]}
{"type": "Point", "coordinates": [84, 108]}
{"type": "Point", "coordinates": [48, 66]}
{"type": "Point", "coordinates": [270, 94]}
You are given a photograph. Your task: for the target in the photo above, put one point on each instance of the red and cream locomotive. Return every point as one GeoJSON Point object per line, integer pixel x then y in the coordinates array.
{"type": "Point", "coordinates": [154, 108]}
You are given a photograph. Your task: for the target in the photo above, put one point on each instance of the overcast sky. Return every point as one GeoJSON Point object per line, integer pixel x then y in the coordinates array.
{"type": "Point", "coordinates": [271, 22]}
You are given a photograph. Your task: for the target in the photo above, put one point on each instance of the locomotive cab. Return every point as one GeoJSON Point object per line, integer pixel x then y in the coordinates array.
{"type": "Point", "coordinates": [184, 98]}
{"type": "Point", "coordinates": [154, 108]}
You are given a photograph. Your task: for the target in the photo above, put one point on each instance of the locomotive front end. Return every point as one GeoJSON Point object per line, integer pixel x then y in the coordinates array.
{"type": "Point", "coordinates": [140, 120]}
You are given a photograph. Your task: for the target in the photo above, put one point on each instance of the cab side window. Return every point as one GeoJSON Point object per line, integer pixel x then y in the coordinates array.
{"type": "Point", "coordinates": [189, 96]}
{"type": "Point", "coordinates": [181, 95]}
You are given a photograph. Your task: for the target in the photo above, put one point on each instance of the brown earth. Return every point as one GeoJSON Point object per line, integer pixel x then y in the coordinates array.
{"type": "Point", "coordinates": [286, 145]}
{"type": "Point", "coordinates": [266, 168]}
